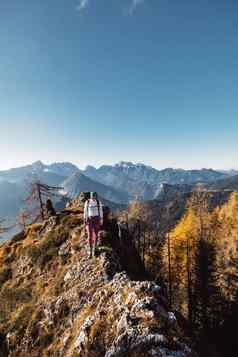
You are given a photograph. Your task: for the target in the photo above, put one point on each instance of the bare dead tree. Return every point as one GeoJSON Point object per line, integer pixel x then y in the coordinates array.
{"type": "Point", "coordinates": [24, 217]}
{"type": "Point", "coordinates": [39, 192]}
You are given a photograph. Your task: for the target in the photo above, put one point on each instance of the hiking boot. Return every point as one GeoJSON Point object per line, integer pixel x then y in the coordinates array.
{"type": "Point", "coordinates": [90, 254]}
{"type": "Point", "coordinates": [94, 249]}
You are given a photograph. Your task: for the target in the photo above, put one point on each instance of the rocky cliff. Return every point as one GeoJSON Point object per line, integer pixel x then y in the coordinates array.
{"type": "Point", "coordinates": [55, 302]}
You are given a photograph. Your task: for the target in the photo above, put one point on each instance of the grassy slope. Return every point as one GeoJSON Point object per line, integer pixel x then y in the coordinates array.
{"type": "Point", "coordinates": [55, 302]}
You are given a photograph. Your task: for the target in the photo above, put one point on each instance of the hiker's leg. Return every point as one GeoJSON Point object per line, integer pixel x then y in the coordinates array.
{"type": "Point", "coordinates": [89, 233]}
{"type": "Point", "coordinates": [92, 229]}
{"type": "Point", "coordinates": [94, 234]}
{"type": "Point", "coordinates": [93, 240]}
{"type": "Point", "coordinates": [96, 229]}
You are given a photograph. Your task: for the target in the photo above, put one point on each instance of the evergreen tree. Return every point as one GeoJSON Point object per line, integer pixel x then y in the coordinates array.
{"type": "Point", "coordinates": [205, 284]}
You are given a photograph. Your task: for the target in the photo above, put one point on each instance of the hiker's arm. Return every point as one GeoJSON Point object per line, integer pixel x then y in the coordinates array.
{"type": "Point", "coordinates": [85, 216]}
{"type": "Point", "coordinates": [101, 213]}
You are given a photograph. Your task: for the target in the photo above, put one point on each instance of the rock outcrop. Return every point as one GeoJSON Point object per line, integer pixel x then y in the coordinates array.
{"type": "Point", "coordinates": [56, 302]}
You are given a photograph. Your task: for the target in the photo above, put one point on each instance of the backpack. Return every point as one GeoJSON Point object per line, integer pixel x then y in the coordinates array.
{"type": "Point", "coordinates": [98, 205]}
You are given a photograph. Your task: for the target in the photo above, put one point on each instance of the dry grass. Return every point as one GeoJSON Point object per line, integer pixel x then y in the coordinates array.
{"type": "Point", "coordinates": [21, 317]}
{"type": "Point", "coordinates": [13, 298]}
{"type": "Point", "coordinates": [58, 286]}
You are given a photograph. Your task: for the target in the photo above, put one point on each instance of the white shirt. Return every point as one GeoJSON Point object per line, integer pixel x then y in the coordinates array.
{"type": "Point", "coordinates": [93, 208]}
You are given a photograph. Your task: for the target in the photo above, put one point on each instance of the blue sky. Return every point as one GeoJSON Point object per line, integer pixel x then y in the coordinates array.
{"type": "Point", "coordinates": [100, 81]}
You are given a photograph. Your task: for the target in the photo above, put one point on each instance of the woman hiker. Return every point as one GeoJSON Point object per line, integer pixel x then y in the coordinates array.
{"type": "Point", "coordinates": [93, 219]}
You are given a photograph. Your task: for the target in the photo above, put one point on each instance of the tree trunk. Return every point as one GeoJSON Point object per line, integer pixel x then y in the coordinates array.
{"type": "Point", "coordinates": [170, 277]}
{"type": "Point", "coordinates": [41, 203]}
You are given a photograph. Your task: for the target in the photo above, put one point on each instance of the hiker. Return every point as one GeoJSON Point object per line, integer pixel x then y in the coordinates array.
{"type": "Point", "coordinates": [93, 219]}
{"type": "Point", "coordinates": [50, 209]}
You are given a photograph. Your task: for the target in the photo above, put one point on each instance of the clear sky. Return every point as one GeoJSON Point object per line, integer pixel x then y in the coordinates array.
{"type": "Point", "coordinates": [100, 81]}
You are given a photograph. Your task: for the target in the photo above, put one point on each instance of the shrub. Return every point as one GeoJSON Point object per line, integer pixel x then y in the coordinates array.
{"type": "Point", "coordinates": [59, 283]}
{"type": "Point", "coordinates": [21, 317]}
{"type": "Point", "coordinates": [46, 255]}
{"type": "Point", "coordinates": [13, 296]}
{"type": "Point", "coordinates": [10, 299]}
{"type": "Point", "coordinates": [33, 252]}
{"type": "Point", "coordinates": [5, 274]}
{"type": "Point", "coordinates": [44, 340]}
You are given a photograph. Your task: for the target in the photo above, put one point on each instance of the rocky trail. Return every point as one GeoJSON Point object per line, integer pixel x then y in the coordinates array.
{"type": "Point", "coordinates": [55, 302]}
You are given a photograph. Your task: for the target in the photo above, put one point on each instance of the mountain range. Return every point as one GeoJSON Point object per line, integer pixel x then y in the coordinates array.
{"type": "Point", "coordinates": [227, 183]}
{"type": "Point", "coordinates": [119, 184]}
{"type": "Point", "coordinates": [143, 182]}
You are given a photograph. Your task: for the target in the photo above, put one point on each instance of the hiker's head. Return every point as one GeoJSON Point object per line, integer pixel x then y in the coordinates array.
{"type": "Point", "coordinates": [94, 195]}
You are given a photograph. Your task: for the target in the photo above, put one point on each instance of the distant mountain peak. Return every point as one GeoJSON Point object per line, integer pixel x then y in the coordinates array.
{"type": "Point", "coordinates": [90, 168]}
{"type": "Point", "coordinates": [78, 182]}
{"type": "Point", "coordinates": [63, 163]}
{"type": "Point", "coordinates": [129, 164]}
{"type": "Point", "coordinates": [38, 164]}
{"type": "Point", "coordinates": [124, 164]}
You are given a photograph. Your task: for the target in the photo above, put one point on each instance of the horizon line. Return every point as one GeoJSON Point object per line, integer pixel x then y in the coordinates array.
{"type": "Point", "coordinates": [97, 166]}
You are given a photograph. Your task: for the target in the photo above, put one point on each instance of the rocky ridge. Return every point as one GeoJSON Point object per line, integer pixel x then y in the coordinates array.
{"type": "Point", "coordinates": [55, 302]}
